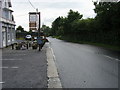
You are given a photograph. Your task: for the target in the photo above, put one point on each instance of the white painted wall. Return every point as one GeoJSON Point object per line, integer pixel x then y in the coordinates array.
{"type": "Point", "coordinates": [3, 37]}
{"type": "Point", "coordinates": [0, 23]}
{"type": "Point", "coordinates": [6, 30]}
{"type": "Point", "coordinates": [0, 43]}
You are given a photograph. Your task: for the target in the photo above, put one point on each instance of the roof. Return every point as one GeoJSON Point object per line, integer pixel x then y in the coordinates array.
{"type": "Point", "coordinates": [34, 12]}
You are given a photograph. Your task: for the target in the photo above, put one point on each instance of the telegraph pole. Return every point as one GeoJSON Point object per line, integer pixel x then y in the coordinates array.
{"type": "Point", "coordinates": [38, 23]}
{"type": "Point", "coordinates": [39, 31]}
{"type": "Point", "coordinates": [34, 24]}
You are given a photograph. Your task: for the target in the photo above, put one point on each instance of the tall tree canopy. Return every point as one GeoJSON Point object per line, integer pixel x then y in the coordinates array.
{"type": "Point", "coordinates": [104, 28]}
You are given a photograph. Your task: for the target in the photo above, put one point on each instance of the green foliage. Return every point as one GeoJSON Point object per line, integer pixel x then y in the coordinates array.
{"type": "Point", "coordinates": [20, 32]}
{"type": "Point", "coordinates": [46, 30]}
{"type": "Point", "coordinates": [63, 25]}
{"type": "Point", "coordinates": [72, 16]}
{"type": "Point", "coordinates": [20, 29]}
{"type": "Point", "coordinates": [104, 28]}
{"type": "Point", "coordinates": [108, 15]}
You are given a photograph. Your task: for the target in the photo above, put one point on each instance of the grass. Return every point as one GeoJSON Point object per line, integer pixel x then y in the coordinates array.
{"type": "Point", "coordinates": [20, 38]}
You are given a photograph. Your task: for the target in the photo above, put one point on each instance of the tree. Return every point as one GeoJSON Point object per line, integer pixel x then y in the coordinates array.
{"type": "Point", "coordinates": [20, 29]}
{"type": "Point", "coordinates": [63, 25]}
{"type": "Point", "coordinates": [72, 17]}
{"type": "Point", "coordinates": [104, 28]}
{"type": "Point", "coordinates": [108, 21]}
{"type": "Point", "coordinates": [57, 26]}
{"type": "Point", "coordinates": [108, 14]}
{"type": "Point", "coordinates": [46, 30]}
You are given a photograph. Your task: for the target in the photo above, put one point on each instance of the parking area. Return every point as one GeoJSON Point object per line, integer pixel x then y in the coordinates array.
{"type": "Point", "coordinates": [24, 68]}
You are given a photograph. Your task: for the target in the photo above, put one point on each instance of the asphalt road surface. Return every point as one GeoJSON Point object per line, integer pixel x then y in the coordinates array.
{"type": "Point", "coordinates": [24, 69]}
{"type": "Point", "coordinates": [85, 66]}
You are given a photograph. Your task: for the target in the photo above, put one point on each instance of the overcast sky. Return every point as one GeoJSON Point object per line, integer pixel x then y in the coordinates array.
{"type": "Point", "coordinates": [50, 10]}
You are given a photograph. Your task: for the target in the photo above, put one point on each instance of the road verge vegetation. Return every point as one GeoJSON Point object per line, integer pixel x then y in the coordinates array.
{"type": "Point", "coordinates": [106, 46]}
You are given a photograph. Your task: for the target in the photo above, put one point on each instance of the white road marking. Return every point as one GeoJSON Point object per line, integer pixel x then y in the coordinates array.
{"type": "Point", "coordinates": [3, 67]}
{"type": "Point", "coordinates": [14, 67]}
{"type": "Point", "coordinates": [17, 54]}
{"type": "Point", "coordinates": [10, 59]}
{"type": "Point", "coordinates": [9, 67]}
{"type": "Point", "coordinates": [2, 82]}
{"type": "Point", "coordinates": [111, 58]}
{"type": "Point", "coordinates": [108, 56]}
{"type": "Point", "coordinates": [117, 59]}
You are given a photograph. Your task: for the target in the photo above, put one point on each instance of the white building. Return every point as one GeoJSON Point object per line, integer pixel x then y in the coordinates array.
{"type": "Point", "coordinates": [7, 24]}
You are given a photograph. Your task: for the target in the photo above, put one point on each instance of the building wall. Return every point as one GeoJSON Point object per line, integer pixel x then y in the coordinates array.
{"type": "Point", "coordinates": [0, 24]}
{"type": "Point", "coordinates": [7, 25]}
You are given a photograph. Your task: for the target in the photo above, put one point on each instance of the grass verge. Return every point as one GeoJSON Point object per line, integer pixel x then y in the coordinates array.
{"type": "Point", "coordinates": [20, 38]}
{"type": "Point", "coordinates": [106, 46]}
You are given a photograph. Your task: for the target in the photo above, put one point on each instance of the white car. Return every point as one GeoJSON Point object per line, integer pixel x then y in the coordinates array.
{"type": "Point", "coordinates": [28, 37]}
{"type": "Point", "coordinates": [35, 38]}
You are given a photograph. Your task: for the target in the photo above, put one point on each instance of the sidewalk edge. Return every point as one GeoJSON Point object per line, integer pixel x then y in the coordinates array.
{"type": "Point", "coordinates": [52, 73]}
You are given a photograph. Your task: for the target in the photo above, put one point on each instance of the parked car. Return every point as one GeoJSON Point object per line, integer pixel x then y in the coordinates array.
{"type": "Point", "coordinates": [35, 38]}
{"type": "Point", "coordinates": [28, 37]}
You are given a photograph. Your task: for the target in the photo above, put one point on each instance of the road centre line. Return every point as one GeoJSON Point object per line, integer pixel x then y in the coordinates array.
{"type": "Point", "coordinates": [111, 58]}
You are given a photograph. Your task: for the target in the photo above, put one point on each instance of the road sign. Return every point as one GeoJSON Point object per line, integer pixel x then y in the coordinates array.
{"type": "Point", "coordinates": [33, 21]}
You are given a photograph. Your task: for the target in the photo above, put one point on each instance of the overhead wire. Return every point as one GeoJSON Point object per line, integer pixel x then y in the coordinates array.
{"type": "Point", "coordinates": [27, 14]}
{"type": "Point", "coordinates": [31, 4]}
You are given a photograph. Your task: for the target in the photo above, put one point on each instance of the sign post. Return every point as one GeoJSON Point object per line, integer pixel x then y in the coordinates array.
{"type": "Point", "coordinates": [39, 34]}
{"type": "Point", "coordinates": [39, 26]}
{"type": "Point", "coordinates": [33, 21]}
{"type": "Point", "coordinates": [34, 24]}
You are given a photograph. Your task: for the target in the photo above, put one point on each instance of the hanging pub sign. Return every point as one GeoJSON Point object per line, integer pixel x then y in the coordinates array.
{"type": "Point", "coordinates": [33, 21]}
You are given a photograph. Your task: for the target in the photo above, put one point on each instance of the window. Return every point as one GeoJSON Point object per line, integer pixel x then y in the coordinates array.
{"type": "Point", "coordinates": [8, 37]}
{"type": "Point", "coordinates": [0, 4]}
{"type": "Point", "coordinates": [6, 14]}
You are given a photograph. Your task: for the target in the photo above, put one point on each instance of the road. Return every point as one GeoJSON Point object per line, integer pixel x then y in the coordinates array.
{"type": "Point", "coordinates": [85, 66]}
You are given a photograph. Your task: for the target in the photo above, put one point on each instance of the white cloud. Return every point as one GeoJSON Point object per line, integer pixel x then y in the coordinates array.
{"type": "Point", "coordinates": [47, 1]}
{"type": "Point", "coordinates": [50, 9]}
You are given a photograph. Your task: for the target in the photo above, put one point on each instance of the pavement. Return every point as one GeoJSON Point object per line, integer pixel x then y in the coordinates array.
{"type": "Point", "coordinates": [24, 69]}
{"type": "Point", "coordinates": [52, 72]}
{"type": "Point", "coordinates": [0, 69]}
{"type": "Point", "coordinates": [28, 69]}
